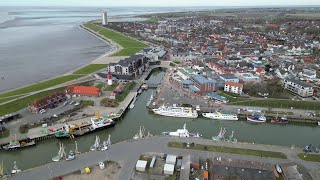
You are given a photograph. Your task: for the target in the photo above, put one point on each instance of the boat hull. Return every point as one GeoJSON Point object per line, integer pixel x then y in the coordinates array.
{"type": "Point", "coordinates": [206, 115]}
{"type": "Point", "coordinates": [193, 115]}
{"type": "Point", "coordinates": [256, 120]}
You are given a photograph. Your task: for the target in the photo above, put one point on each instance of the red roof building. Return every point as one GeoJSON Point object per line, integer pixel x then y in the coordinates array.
{"type": "Point", "coordinates": [83, 90]}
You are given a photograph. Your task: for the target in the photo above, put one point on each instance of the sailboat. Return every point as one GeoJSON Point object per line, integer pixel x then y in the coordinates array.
{"type": "Point", "coordinates": [96, 144]}
{"type": "Point", "coordinates": [76, 150]}
{"type": "Point", "coordinates": [71, 156]}
{"type": "Point", "coordinates": [15, 169]}
{"type": "Point", "coordinates": [60, 155]}
{"type": "Point", "coordinates": [220, 135]}
{"type": "Point", "coordinates": [139, 135]}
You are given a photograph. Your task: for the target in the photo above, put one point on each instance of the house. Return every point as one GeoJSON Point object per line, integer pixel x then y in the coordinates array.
{"type": "Point", "coordinates": [298, 87]}
{"type": "Point", "coordinates": [129, 68]}
{"type": "Point", "coordinates": [229, 77]}
{"type": "Point", "coordinates": [202, 84]}
{"type": "Point", "coordinates": [309, 73]}
{"type": "Point", "coordinates": [233, 87]}
{"type": "Point", "coordinates": [83, 91]}
{"type": "Point", "coordinates": [47, 101]}
{"type": "Point", "coordinates": [248, 77]}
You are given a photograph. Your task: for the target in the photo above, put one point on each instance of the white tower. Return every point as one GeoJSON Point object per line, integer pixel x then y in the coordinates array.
{"type": "Point", "coordinates": [104, 18]}
{"type": "Point", "coordinates": [109, 79]}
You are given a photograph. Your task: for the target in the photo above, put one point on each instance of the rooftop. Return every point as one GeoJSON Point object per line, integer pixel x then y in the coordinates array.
{"type": "Point", "coordinates": [202, 80]}
{"type": "Point", "coordinates": [239, 85]}
{"type": "Point", "coordinates": [228, 76]}
{"type": "Point", "coordinates": [298, 82]}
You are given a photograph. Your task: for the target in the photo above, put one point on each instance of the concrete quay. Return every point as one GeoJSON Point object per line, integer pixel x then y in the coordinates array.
{"type": "Point", "coordinates": [126, 153]}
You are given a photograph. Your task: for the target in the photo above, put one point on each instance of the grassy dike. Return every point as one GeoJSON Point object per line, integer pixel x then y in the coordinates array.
{"type": "Point", "coordinates": [91, 68]}
{"type": "Point", "coordinates": [130, 46]}
{"type": "Point", "coordinates": [22, 103]}
{"type": "Point", "coordinates": [309, 157]}
{"type": "Point", "coordinates": [37, 87]}
{"type": "Point", "coordinates": [221, 149]}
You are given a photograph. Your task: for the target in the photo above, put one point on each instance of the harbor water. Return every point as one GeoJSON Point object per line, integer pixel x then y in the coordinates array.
{"type": "Point", "coordinates": [263, 133]}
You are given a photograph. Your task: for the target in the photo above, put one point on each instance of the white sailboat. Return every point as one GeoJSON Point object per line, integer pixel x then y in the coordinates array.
{"type": "Point", "coordinates": [76, 150]}
{"type": "Point", "coordinates": [220, 135]}
{"type": "Point", "coordinates": [71, 156]}
{"type": "Point", "coordinates": [61, 154]}
{"type": "Point", "coordinates": [140, 134]}
{"type": "Point", "coordinates": [15, 169]}
{"type": "Point", "coordinates": [96, 144]}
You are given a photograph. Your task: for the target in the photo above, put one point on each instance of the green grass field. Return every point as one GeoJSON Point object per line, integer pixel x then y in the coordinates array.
{"type": "Point", "coordinates": [100, 85]}
{"type": "Point", "coordinates": [251, 152]}
{"type": "Point", "coordinates": [112, 87]}
{"type": "Point", "coordinates": [273, 103]}
{"type": "Point", "coordinates": [5, 134]}
{"type": "Point", "coordinates": [39, 86]}
{"type": "Point", "coordinates": [127, 89]}
{"type": "Point", "coordinates": [130, 46]}
{"type": "Point", "coordinates": [22, 103]}
{"type": "Point", "coordinates": [91, 68]}
{"type": "Point", "coordinates": [232, 98]}
{"type": "Point", "coordinates": [310, 157]}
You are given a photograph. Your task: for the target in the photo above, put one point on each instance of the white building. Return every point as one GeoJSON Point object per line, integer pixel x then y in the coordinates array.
{"type": "Point", "coordinates": [229, 77]}
{"type": "Point", "coordinates": [141, 165]}
{"type": "Point", "coordinates": [104, 18]}
{"type": "Point", "coordinates": [233, 87]}
{"type": "Point", "coordinates": [298, 87]}
{"type": "Point", "coordinates": [171, 159]}
{"type": "Point", "coordinates": [168, 169]}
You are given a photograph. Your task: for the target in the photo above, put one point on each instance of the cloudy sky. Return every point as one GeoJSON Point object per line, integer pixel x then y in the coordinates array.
{"type": "Point", "coordinates": [108, 3]}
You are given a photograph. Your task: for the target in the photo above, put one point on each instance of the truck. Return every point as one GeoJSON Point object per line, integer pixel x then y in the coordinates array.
{"type": "Point", "coordinates": [205, 175]}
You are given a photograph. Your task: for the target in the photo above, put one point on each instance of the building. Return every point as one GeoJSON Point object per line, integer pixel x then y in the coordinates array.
{"type": "Point", "coordinates": [168, 169]}
{"type": "Point", "coordinates": [229, 77]}
{"type": "Point", "coordinates": [233, 87]}
{"type": "Point", "coordinates": [172, 28]}
{"type": "Point", "coordinates": [171, 159]}
{"type": "Point", "coordinates": [129, 68]}
{"type": "Point", "coordinates": [104, 18]}
{"type": "Point", "coordinates": [249, 77]}
{"type": "Point", "coordinates": [141, 165]}
{"type": "Point", "coordinates": [202, 85]}
{"type": "Point", "coordinates": [217, 98]}
{"type": "Point", "coordinates": [83, 91]}
{"type": "Point", "coordinates": [109, 79]}
{"type": "Point", "coordinates": [47, 101]}
{"type": "Point", "coordinates": [298, 87]}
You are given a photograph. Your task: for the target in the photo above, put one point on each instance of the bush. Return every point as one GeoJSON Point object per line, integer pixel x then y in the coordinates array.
{"type": "Point", "coordinates": [88, 103]}
{"type": "Point", "coordinates": [24, 129]}
{"type": "Point", "coordinates": [109, 103]}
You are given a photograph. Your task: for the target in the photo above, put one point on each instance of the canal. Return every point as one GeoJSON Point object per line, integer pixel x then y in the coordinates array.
{"type": "Point", "coordinates": [264, 133]}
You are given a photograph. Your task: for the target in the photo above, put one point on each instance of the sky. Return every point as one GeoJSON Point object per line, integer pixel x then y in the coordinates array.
{"type": "Point", "coordinates": [164, 3]}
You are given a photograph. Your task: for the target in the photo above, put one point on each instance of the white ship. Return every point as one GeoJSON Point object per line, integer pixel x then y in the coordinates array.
{"type": "Point", "coordinates": [185, 112]}
{"type": "Point", "coordinates": [182, 133]}
{"type": "Point", "coordinates": [221, 116]}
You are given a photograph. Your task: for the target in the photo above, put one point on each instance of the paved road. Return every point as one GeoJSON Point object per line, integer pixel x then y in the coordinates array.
{"type": "Point", "coordinates": [128, 152]}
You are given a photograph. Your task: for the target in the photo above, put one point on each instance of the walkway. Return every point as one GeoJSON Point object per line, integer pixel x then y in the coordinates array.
{"type": "Point", "coordinates": [126, 153]}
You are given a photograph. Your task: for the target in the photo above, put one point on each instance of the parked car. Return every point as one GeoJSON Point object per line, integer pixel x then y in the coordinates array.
{"type": "Point", "coordinates": [71, 102]}
{"type": "Point", "coordinates": [77, 104]}
{"type": "Point", "coordinates": [55, 115]}
{"type": "Point", "coordinates": [42, 111]}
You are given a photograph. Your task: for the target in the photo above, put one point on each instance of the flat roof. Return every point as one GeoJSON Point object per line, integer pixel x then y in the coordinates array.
{"type": "Point", "coordinates": [247, 173]}
{"type": "Point", "coordinates": [141, 163]}
{"type": "Point", "coordinates": [168, 167]}
{"type": "Point", "coordinates": [228, 76]}
{"type": "Point", "coordinates": [301, 83]}
{"type": "Point", "coordinates": [171, 158]}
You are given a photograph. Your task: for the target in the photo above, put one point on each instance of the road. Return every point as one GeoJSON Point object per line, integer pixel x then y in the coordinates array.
{"type": "Point", "coordinates": [126, 153]}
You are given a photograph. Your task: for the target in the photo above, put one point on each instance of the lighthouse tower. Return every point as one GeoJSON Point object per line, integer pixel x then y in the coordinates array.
{"type": "Point", "coordinates": [109, 79]}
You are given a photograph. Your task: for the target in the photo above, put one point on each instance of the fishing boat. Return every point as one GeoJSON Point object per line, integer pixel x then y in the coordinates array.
{"type": "Point", "coordinates": [221, 116]}
{"type": "Point", "coordinates": [15, 169]}
{"type": "Point", "coordinates": [96, 144]}
{"type": "Point", "coordinates": [131, 106]}
{"type": "Point", "coordinates": [71, 156]}
{"type": "Point", "coordinates": [183, 112]}
{"type": "Point", "coordinates": [140, 134]}
{"type": "Point", "coordinates": [221, 134]}
{"type": "Point", "coordinates": [99, 123]}
{"type": "Point", "coordinates": [61, 154]}
{"type": "Point", "coordinates": [278, 168]}
{"type": "Point", "coordinates": [103, 146]}
{"type": "Point", "coordinates": [280, 120]}
{"type": "Point", "coordinates": [182, 133]}
{"type": "Point", "coordinates": [14, 144]}
{"type": "Point", "coordinates": [257, 118]}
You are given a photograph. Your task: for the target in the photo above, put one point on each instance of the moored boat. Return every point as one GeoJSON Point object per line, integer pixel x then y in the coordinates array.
{"type": "Point", "coordinates": [184, 112]}
{"type": "Point", "coordinates": [182, 133]}
{"type": "Point", "coordinates": [71, 156]}
{"type": "Point", "coordinates": [221, 116]}
{"type": "Point", "coordinates": [257, 118]}
{"type": "Point", "coordinates": [280, 120]}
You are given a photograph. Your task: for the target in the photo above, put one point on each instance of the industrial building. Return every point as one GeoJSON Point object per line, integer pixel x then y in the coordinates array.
{"type": "Point", "coordinates": [202, 85]}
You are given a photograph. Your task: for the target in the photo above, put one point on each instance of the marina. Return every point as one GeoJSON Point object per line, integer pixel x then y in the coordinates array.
{"type": "Point", "coordinates": [155, 124]}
